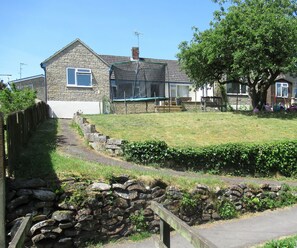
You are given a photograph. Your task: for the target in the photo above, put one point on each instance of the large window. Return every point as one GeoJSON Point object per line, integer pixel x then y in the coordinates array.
{"type": "Point", "coordinates": [79, 77]}
{"type": "Point", "coordinates": [179, 90]}
{"type": "Point", "coordinates": [282, 89]}
{"type": "Point", "coordinates": [236, 88]}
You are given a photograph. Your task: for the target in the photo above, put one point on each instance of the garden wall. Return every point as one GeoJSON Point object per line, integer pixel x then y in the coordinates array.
{"type": "Point", "coordinates": [77, 211]}
{"type": "Point", "coordinates": [133, 107]}
{"type": "Point", "coordinates": [98, 141]}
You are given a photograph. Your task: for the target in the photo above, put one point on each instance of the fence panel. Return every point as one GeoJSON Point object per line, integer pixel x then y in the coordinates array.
{"type": "Point", "coordinates": [20, 126]}
{"type": "Point", "coordinates": [2, 185]}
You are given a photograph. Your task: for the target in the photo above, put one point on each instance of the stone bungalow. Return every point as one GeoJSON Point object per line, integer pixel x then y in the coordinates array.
{"type": "Point", "coordinates": [34, 82]}
{"type": "Point", "coordinates": [78, 79]}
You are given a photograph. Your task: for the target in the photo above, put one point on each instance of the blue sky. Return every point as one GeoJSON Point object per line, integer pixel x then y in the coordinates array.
{"type": "Point", "coordinates": [33, 30]}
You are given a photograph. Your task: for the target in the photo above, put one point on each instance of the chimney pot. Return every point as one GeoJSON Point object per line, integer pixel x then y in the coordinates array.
{"type": "Point", "coordinates": [135, 53]}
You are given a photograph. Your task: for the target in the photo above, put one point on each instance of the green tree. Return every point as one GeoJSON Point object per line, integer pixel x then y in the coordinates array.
{"type": "Point", "coordinates": [12, 100]}
{"type": "Point", "coordinates": [250, 44]}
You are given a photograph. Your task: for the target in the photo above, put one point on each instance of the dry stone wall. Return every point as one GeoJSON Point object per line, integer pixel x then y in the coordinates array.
{"type": "Point", "coordinates": [98, 141]}
{"type": "Point", "coordinates": [71, 212]}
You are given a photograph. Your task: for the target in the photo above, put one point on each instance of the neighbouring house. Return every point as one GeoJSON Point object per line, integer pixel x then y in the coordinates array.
{"type": "Point", "coordinates": [35, 83]}
{"type": "Point", "coordinates": [283, 92]}
{"type": "Point", "coordinates": [79, 79]}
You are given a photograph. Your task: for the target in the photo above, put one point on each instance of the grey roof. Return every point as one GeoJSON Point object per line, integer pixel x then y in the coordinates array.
{"type": "Point", "coordinates": [26, 78]}
{"type": "Point", "coordinates": [173, 72]}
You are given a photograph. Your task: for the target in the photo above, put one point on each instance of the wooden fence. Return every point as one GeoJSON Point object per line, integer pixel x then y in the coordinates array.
{"type": "Point", "coordinates": [167, 220]}
{"type": "Point", "coordinates": [20, 126]}
{"type": "Point", "coordinates": [2, 184]}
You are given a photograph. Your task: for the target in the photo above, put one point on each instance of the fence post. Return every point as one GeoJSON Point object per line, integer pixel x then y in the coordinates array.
{"type": "Point", "coordinates": [165, 233]}
{"type": "Point", "coordinates": [2, 185]}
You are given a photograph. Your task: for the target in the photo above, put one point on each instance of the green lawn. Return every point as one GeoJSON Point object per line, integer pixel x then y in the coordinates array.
{"type": "Point", "coordinates": [42, 158]}
{"type": "Point", "coordinates": [198, 129]}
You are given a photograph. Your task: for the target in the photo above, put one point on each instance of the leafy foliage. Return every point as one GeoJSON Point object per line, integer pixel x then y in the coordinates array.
{"type": "Point", "coordinates": [146, 152]}
{"type": "Point", "coordinates": [250, 44]}
{"type": "Point", "coordinates": [269, 201]}
{"type": "Point", "coordinates": [139, 221]}
{"type": "Point", "coordinates": [233, 159]}
{"type": "Point", "coordinates": [227, 210]}
{"type": "Point", "coordinates": [290, 242]}
{"type": "Point", "coordinates": [12, 100]}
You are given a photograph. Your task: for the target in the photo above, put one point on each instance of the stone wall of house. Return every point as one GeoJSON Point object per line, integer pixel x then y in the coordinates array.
{"type": "Point", "coordinates": [133, 107]}
{"type": "Point", "coordinates": [192, 106]}
{"type": "Point", "coordinates": [240, 101]}
{"type": "Point", "coordinates": [34, 84]}
{"type": "Point", "coordinates": [70, 212]}
{"type": "Point", "coordinates": [77, 56]}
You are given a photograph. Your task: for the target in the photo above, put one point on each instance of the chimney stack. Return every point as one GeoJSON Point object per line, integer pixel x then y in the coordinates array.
{"type": "Point", "coordinates": [135, 53]}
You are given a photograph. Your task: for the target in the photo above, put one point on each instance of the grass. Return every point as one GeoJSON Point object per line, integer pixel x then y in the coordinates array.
{"type": "Point", "coordinates": [42, 158]}
{"type": "Point", "coordinates": [188, 129]}
{"type": "Point", "coordinates": [288, 242]}
{"type": "Point", "coordinates": [140, 236]}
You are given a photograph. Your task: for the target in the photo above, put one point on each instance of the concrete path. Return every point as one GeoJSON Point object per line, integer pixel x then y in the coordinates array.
{"type": "Point", "coordinates": [238, 233]}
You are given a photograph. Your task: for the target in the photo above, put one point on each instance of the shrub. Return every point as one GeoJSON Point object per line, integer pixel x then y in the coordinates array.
{"type": "Point", "coordinates": [227, 210]}
{"type": "Point", "coordinates": [146, 152]}
{"type": "Point", "coordinates": [233, 159]}
{"type": "Point", "coordinates": [12, 100]}
{"type": "Point", "coordinates": [139, 222]}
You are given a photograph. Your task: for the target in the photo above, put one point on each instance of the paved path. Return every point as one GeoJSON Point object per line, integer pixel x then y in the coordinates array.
{"type": "Point", "coordinates": [238, 233]}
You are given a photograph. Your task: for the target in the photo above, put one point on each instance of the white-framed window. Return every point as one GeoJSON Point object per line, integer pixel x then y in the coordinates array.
{"type": "Point", "coordinates": [236, 88]}
{"type": "Point", "coordinates": [79, 77]}
{"type": "Point", "coordinates": [295, 93]}
{"type": "Point", "coordinates": [179, 90]}
{"type": "Point", "coordinates": [282, 89]}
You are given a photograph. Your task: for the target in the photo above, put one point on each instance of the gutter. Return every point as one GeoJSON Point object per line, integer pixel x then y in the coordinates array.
{"type": "Point", "coordinates": [43, 66]}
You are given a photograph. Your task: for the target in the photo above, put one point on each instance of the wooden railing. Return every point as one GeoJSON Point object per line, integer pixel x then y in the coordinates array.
{"type": "Point", "coordinates": [167, 220]}
{"type": "Point", "coordinates": [213, 102]}
{"type": "Point", "coordinates": [20, 236]}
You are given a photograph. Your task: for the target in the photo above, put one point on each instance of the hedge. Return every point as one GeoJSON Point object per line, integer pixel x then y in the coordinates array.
{"type": "Point", "coordinates": [234, 159]}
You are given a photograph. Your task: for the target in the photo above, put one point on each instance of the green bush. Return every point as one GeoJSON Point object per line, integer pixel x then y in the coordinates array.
{"type": "Point", "coordinates": [227, 210]}
{"type": "Point", "coordinates": [12, 100]}
{"type": "Point", "coordinates": [147, 152]}
{"type": "Point", "coordinates": [290, 242]}
{"type": "Point", "coordinates": [233, 159]}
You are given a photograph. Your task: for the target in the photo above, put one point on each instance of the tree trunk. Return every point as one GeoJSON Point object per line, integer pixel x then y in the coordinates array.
{"type": "Point", "coordinates": [258, 97]}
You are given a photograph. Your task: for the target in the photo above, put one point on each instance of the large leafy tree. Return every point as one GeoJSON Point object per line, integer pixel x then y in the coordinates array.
{"type": "Point", "coordinates": [251, 43]}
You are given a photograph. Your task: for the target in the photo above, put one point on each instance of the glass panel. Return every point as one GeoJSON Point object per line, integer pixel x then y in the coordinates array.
{"type": "Point", "coordinates": [173, 90]}
{"type": "Point", "coordinates": [83, 79]}
{"type": "Point", "coordinates": [278, 90]}
{"type": "Point", "coordinates": [295, 93]}
{"type": "Point", "coordinates": [232, 88]}
{"type": "Point", "coordinates": [243, 89]}
{"type": "Point", "coordinates": [182, 91]}
{"type": "Point", "coordinates": [285, 90]}
{"type": "Point", "coordinates": [70, 76]}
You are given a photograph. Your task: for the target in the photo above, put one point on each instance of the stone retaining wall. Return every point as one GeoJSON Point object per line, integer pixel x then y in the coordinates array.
{"type": "Point", "coordinates": [79, 211]}
{"type": "Point", "coordinates": [98, 141]}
